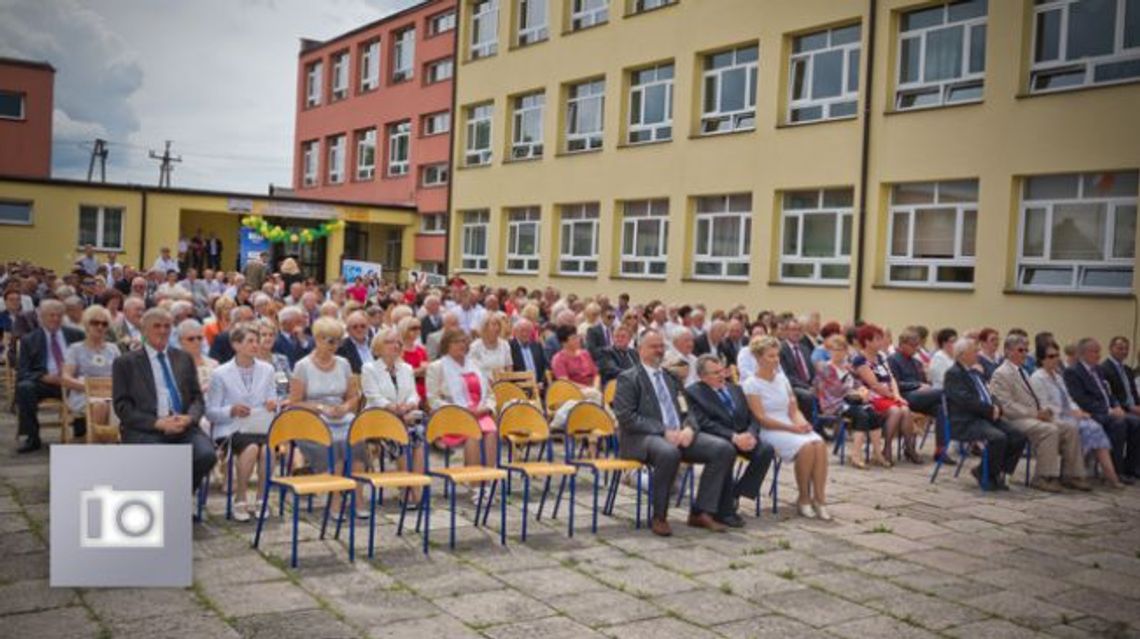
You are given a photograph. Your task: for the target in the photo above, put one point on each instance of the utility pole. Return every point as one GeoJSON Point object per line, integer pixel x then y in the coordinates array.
{"type": "Point", "coordinates": [166, 168]}
{"type": "Point", "coordinates": [99, 151]}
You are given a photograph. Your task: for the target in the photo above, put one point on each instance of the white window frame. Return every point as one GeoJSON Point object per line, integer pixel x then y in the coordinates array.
{"type": "Point", "coordinates": [1078, 268]}
{"type": "Point", "coordinates": [433, 223]}
{"type": "Point", "coordinates": [340, 75]}
{"type": "Point", "coordinates": [439, 174]}
{"type": "Point", "coordinates": [477, 118]}
{"type": "Point", "coordinates": [852, 54]}
{"type": "Point", "coordinates": [588, 13]}
{"type": "Point", "coordinates": [369, 66]}
{"type": "Point", "coordinates": [19, 203]}
{"type": "Point", "coordinates": [101, 214]}
{"type": "Point", "coordinates": [436, 123]}
{"type": "Point", "coordinates": [484, 29]}
{"type": "Point", "coordinates": [571, 216]}
{"type": "Point", "coordinates": [723, 209]}
{"type": "Point", "coordinates": [943, 88]}
{"type": "Point", "coordinates": [473, 223]}
{"type": "Point", "coordinates": [579, 139]}
{"type": "Point", "coordinates": [22, 100]}
{"type": "Point", "coordinates": [641, 6]}
{"type": "Point", "coordinates": [441, 23]}
{"type": "Point", "coordinates": [532, 29]}
{"type": "Point", "coordinates": [1086, 66]}
{"type": "Point", "coordinates": [519, 220]}
{"type": "Point", "coordinates": [310, 153]}
{"type": "Point", "coordinates": [399, 133]}
{"type": "Point", "coordinates": [844, 220]}
{"type": "Point", "coordinates": [440, 70]}
{"type": "Point", "coordinates": [365, 145]}
{"type": "Point", "coordinates": [932, 265]}
{"type": "Point", "coordinates": [658, 131]}
{"type": "Point", "coordinates": [314, 83]}
{"type": "Point", "coordinates": [527, 149]}
{"type": "Point", "coordinates": [636, 213]}
{"type": "Point", "coordinates": [404, 55]}
{"type": "Point", "coordinates": [740, 119]}
{"type": "Point", "coordinates": [336, 155]}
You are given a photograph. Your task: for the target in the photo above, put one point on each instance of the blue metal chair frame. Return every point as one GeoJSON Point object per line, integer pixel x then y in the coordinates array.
{"type": "Point", "coordinates": [449, 490]}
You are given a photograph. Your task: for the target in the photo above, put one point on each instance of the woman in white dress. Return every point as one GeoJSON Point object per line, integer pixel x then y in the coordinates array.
{"type": "Point", "coordinates": [490, 353]}
{"type": "Point", "coordinates": [783, 426]}
{"type": "Point", "coordinates": [388, 382]}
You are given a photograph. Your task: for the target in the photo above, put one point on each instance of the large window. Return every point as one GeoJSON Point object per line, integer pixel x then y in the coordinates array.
{"type": "Point", "coordinates": [11, 105]}
{"type": "Point", "coordinates": [522, 239]}
{"type": "Point", "coordinates": [645, 238]}
{"type": "Point", "coordinates": [579, 239]}
{"type": "Point", "coordinates": [729, 90]}
{"type": "Point", "coordinates": [404, 55]}
{"type": "Point", "coordinates": [436, 123]}
{"type": "Point", "coordinates": [526, 133]}
{"type": "Point", "coordinates": [370, 66]}
{"type": "Point", "coordinates": [532, 25]}
{"type": "Point", "coordinates": [484, 28]}
{"type": "Point", "coordinates": [587, 13]}
{"type": "Point", "coordinates": [340, 76]}
{"type": "Point", "coordinates": [15, 212]}
{"type": "Point", "coordinates": [439, 70]}
{"type": "Point", "coordinates": [474, 240]}
{"type": "Point", "coordinates": [932, 233]}
{"type": "Point", "coordinates": [942, 55]}
{"type": "Point", "coordinates": [313, 84]}
{"type": "Point", "coordinates": [101, 227]}
{"type": "Point", "coordinates": [399, 151]}
{"type": "Point", "coordinates": [433, 223]}
{"type": "Point", "coordinates": [824, 75]}
{"type": "Point", "coordinates": [723, 246]}
{"type": "Point", "coordinates": [477, 151]}
{"type": "Point", "coordinates": [1079, 43]}
{"type": "Point", "coordinates": [365, 154]}
{"type": "Point", "coordinates": [434, 175]}
{"type": "Point", "coordinates": [584, 115]}
{"type": "Point", "coordinates": [816, 234]}
{"type": "Point", "coordinates": [309, 151]}
{"type": "Point", "coordinates": [336, 159]}
{"type": "Point", "coordinates": [1078, 232]}
{"type": "Point", "coordinates": [651, 104]}
{"type": "Point", "coordinates": [441, 23]}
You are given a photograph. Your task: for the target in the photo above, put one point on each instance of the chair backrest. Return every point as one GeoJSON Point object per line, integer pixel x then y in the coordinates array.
{"type": "Point", "coordinates": [377, 423]}
{"type": "Point", "coordinates": [609, 391]}
{"type": "Point", "coordinates": [587, 418]}
{"type": "Point", "coordinates": [524, 421]}
{"type": "Point", "coordinates": [452, 420]}
{"type": "Point", "coordinates": [298, 424]}
{"type": "Point", "coordinates": [560, 392]}
{"type": "Point", "coordinates": [97, 387]}
{"type": "Point", "coordinates": [514, 376]}
{"type": "Point", "coordinates": [506, 392]}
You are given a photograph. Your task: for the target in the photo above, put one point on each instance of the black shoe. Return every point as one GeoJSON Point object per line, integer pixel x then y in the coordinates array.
{"type": "Point", "coordinates": [976, 471]}
{"type": "Point", "coordinates": [80, 431]}
{"type": "Point", "coordinates": [31, 445]}
{"type": "Point", "coordinates": [731, 520]}
{"type": "Point", "coordinates": [1128, 479]}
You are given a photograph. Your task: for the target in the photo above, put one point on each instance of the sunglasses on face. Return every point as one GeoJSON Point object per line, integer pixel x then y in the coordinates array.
{"type": "Point", "coordinates": [1052, 355]}
{"type": "Point", "coordinates": [192, 338]}
{"type": "Point", "coordinates": [97, 323]}
{"type": "Point", "coordinates": [330, 340]}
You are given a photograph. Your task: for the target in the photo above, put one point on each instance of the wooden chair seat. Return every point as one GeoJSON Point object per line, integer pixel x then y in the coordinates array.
{"type": "Point", "coordinates": [394, 479]}
{"type": "Point", "coordinates": [608, 464]}
{"type": "Point", "coordinates": [471, 474]}
{"type": "Point", "coordinates": [319, 483]}
{"type": "Point", "coordinates": [542, 469]}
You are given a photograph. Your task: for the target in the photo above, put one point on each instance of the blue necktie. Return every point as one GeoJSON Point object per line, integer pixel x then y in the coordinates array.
{"type": "Point", "coordinates": [528, 357]}
{"type": "Point", "coordinates": [171, 387]}
{"type": "Point", "coordinates": [726, 399]}
{"type": "Point", "coordinates": [982, 389]}
{"type": "Point", "coordinates": [667, 410]}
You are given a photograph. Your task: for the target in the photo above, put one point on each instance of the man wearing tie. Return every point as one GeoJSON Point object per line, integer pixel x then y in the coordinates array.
{"type": "Point", "coordinates": [1120, 376]}
{"type": "Point", "coordinates": [974, 415]}
{"type": "Point", "coordinates": [795, 360]}
{"type": "Point", "coordinates": [292, 342]}
{"type": "Point", "coordinates": [600, 335]}
{"type": "Point", "coordinates": [653, 430]}
{"type": "Point", "coordinates": [1086, 383]}
{"type": "Point", "coordinates": [39, 370]}
{"type": "Point", "coordinates": [526, 354]}
{"type": "Point", "coordinates": [616, 358]}
{"type": "Point", "coordinates": [157, 398]}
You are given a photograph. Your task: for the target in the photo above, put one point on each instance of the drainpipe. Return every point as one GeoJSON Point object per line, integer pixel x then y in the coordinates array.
{"type": "Point", "coordinates": [142, 235]}
{"type": "Point", "coordinates": [864, 159]}
{"type": "Point", "coordinates": [451, 146]}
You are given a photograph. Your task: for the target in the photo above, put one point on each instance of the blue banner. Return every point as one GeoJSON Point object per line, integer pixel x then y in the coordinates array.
{"type": "Point", "coordinates": [252, 244]}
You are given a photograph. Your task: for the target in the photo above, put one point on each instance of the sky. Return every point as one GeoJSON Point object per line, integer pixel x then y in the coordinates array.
{"type": "Point", "coordinates": [216, 77]}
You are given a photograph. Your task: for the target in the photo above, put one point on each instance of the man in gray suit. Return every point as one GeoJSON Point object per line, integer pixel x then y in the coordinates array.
{"type": "Point", "coordinates": [654, 430]}
{"type": "Point", "coordinates": [156, 395]}
{"type": "Point", "coordinates": [255, 271]}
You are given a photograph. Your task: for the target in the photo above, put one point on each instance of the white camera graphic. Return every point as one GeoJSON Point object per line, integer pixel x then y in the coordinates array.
{"type": "Point", "coordinates": [111, 518]}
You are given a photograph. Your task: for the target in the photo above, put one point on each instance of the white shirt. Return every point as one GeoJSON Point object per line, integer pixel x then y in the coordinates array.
{"type": "Point", "coordinates": [362, 350]}
{"type": "Point", "coordinates": [490, 359]}
{"type": "Point", "coordinates": [162, 394]}
{"type": "Point", "coordinates": [470, 319]}
{"type": "Point", "coordinates": [939, 364]}
{"type": "Point", "coordinates": [746, 365]}
{"type": "Point", "coordinates": [165, 265]}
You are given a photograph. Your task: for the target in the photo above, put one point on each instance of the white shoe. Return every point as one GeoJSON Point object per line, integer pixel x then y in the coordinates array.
{"type": "Point", "coordinates": [822, 512]}
{"type": "Point", "coordinates": [806, 511]}
{"type": "Point", "coordinates": [240, 513]}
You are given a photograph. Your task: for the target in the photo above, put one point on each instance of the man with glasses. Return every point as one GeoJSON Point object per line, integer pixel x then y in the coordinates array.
{"type": "Point", "coordinates": [356, 347]}
{"type": "Point", "coordinates": [1090, 390]}
{"type": "Point", "coordinates": [40, 369]}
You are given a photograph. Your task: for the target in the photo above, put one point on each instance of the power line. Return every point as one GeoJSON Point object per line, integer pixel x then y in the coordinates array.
{"type": "Point", "coordinates": [167, 166]}
{"type": "Point", "coordinates": [99, 151]}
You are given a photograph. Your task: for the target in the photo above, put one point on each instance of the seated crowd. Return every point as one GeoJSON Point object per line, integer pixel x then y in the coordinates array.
{"type": "Point", "coordinates": [195, 357]}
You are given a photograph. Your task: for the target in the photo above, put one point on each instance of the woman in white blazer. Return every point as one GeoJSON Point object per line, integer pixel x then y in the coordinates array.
{"type": "Point", "coordinates": [389, 382]}
{"type": "Point", "coordinates": [239, 388]}
{"type": "Point", "coordinates": [455, 379]}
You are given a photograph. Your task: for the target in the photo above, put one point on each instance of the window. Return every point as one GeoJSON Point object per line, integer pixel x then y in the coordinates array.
{"type": "Point", "coordinates": [336, 159]}
{"type": "Point", "coordinates": [313, 84]}
{"type": "Point", "coordinates": [1077, 43]}
{"type": "Point", "coordinates": [484, 28]}
{"type": "Point", "coordinates": [15, 212]}
{"type": "Point", "coordinates": [309, 152]}
{"type": "Point", "coordinates": [340, 76]}
{"type": "Point", "coordinates": [436, 123]}
{"type": "Point", "coordinates": [526, 133]}
{"type": "Point", "coordinates": [101, 227]}
{"type": "Point", "coordinates": [723, 236]}
{"type": "Point", "coordinates": [474, 257]}
{"type": "Point", "coordinates": [11, 105]}
{"type": "Point", "coordinates": [433, 223]}
{"type": "Point", "coordinates": [403, 55]}
{"type": "Point", "coordinates": [824, 75]}
{"type": "Point", "coordinates": [942, 55]}
{"type": "Point", "coordinates": [816, 244]}
{"type": "Point", "coordinates": [365, 154]}
{"type": "Point", "coordinates": [435, 175]}
{"type": "Point", "coordinates": [399, 141]}
{"type": "Point", "coordinates": [441, 23]}
{"type": "Point", "coordinates": [522, 240]}
{"type": "Point", "coordinates": [641, 6]}
{"type": "Point", "coordinates": [370, 66]}
{"type": "Point", "coordinates": [651, 104]}
{"type": "Point", "coordinates": [532, 21]}
{"type": "Point", "coordinates": [1078, 232]}
{"type": "Point", "coordinates": [478, 149]}
{"type": "Point", "coordinates": [584, 114]}
{"type": "Point", "coordinates": [439, 70]}
{"type": "Point", "coordinates": [588, 13]}
{"type": "Point", "coordinates": [644, 238]}
{"type": "Point", "coordinates": [932, 233]}
{"type": "Point", "coordinates": [579, 235]}
{"type": "Point", "coordinates": [729, 102]}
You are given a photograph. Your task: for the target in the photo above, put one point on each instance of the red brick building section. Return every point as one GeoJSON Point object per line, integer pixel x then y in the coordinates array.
{"type": "Point", "coordinates": [26, 100]}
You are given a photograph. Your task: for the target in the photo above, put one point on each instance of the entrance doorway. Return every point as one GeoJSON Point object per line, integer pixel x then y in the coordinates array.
{"type": "Point", "coordinates": [311, 257]}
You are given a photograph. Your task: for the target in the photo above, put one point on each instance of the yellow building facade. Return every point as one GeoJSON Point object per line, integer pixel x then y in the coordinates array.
{"type": "Point", "coordinates": [48, 222]}
{"type": "Point", "coordinates": [962, 164]}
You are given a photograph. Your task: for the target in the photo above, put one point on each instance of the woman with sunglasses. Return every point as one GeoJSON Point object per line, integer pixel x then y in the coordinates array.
{"type": "Point", "coordinates": [90, 358]}
{"type": "Point", "coordinates": [191, 339]}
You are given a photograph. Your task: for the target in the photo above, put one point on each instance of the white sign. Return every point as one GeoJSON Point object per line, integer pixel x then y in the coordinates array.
{"type": "Point", "coordinates": [428, 279]}
{"type": "Point", "coordinates": [298, 209]}
{"type": "Point", "coordinates": [352, 269]}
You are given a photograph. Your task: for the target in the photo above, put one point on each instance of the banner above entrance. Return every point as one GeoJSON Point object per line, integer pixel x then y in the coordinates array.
{"type": "Point", "coordinates": [307, 210]}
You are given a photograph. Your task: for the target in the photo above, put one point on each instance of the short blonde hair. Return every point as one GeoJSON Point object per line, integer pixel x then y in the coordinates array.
{"type": "Point", "coordinates": [95, 311]}
{"type": "Point", "coordinates": [382, 336]}
{"type": "Point", "coordinates": [328, 327]}
{"type": "Point", "coordinates": [406, 325]}
{"type": "Point", "coordinates": [762, 343]}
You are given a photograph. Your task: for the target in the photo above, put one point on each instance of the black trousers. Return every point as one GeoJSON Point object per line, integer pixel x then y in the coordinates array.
{"type": "Point", "coordinates": [759, 460]}
{"type": "Point", "coordinates": [203, 454]}
{"type": "Point", "coordinates": [1005, 444]}
{"type": "Point", "coordinates": [716, 454]}
{"type": "Point", "coordinates": [929, 403]}
{"type": "Point", "coordinates": [1124, 433]}
{"type": "Point", "coordinates": [29, 394]}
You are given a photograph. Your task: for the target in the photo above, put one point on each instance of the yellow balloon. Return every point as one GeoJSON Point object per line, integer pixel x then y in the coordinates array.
{"type": "Point", "coordinates": [293, 238]}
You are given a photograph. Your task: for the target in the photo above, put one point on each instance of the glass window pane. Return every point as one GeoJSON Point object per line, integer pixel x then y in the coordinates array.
{"type": "Point", "coordinates": [819, 235]}
{"type": "Point", "coordinates": [1107, 278]}
{"type": "Point", "coordinates": [977, 49]}
{"type": "Point", "coordinates": [738, 269]}
{"type": "Point", "coordinates": [955, 274]}
{"type": "Point", "coordinates": [1120, 184]}
{"type": "Point", "coordinates": [827, 74]}
{"type": "Point", "coordinates": [1048, 43]}
{"type": "Point", "coordinates": [1078, 232]}
{"type": "Point", "coordinates": [908, 60]}
{"type": "Point", "coordinates": [807, 114]}
{"type": "Point", "coordinates": [839, 198]}
{"type": "Point", "coordinates": [88, 221]}
{"type": "Point", "coordinates": [627, 232]}
{"type": "Point", "coordinates": [853, 71]}
{"type": "Point", "coordinates": [791, 235]}
{"type": "Point", "coordinates": [801, 199]}
{"type": "Point", "coordinates": [1131, 23]}
{"type": "Point", "coordinates": [17, 212]}
{"type": "Point", "coordinates": [655, 104]}
{"type": "Point", "coordinates": [732, 90]}
{"type": "Point", "coordinates": [810, 42]}
{"type": "Point", "coordinates": [1051, 187]}
{"type": "Point", "coordinates": [934, 231]}
{"type": "Point", "coordinates": [726, 237]}
{"type": "Point", "coordinates": [842, 109]}
{"type": "Point", "coordinates": [740, 202]}
{"type": "Point", "coordinates": [913, 193]}
{"type": "Point", "coordinates": [1051, 277]}
{"type": "Point", "coordinates": [958, 191]}
{"type": "Point", "coordinates": [924, 18]}
{"type": "Point", "coordinates": [707, 268]}
{"type": "Point", "coordinates": [647, 233]}
{"type": "Point", "coordinates": [797, 271]}
{"type": "Point", "coordinates": [834, 271]}
{"type": "Point", "coordinates": [1033, 233]}
{"type": "Point", "coordinates": [943, 54]}
{"type": "Point", "coordinates": [799, 75]}
{"type": "Point", "coordinates": [908, 273]}
{"type": "Point", "coordinates": [1092, 24]}
{"type": "Point", "coordinates": [845, 35]}
{"type": "Point", "coordinates": [702, 247]}
{"type": "Point", "coordinates": [969, 232]}
{"type": "Point", "coordinates": [845, 237]}
{"type": "Point", "coordinates": [113, 227]}
{"type": "Point", "coordinates": [1113, 71]}
{"type": "Point", "coordinates": [900, 231]}
{"type": "Point", "coordinates": [972, 91]}
{"type": "Point", "coordinates": [710, 94]}
{"type": "Point", "coordinates": [747, 54]}
{"type": "Point", "coordinates": [1124, 235]}
{"type": "Point", "coordinates": [967, 9]}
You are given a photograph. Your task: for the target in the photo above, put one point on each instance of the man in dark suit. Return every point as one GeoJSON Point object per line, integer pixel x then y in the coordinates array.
{"type": "Point", "coordinates": [618, 357]}
{"type": "Point", "coordinates": [222, 349]}
{"type": "Point", "coordinates": [40, 369]}
{"type": "Point", "coordinates": [719, 408]}
{"type": "Point", "coordinates": [709, 341]}
{"type": "Point", "coordinates": [975, 415]}
{"type": "Point", "coordinates": [795, 360]}
{"type": "Point", "coordinates": [292, 342]}
{"type": "Point", "coordinates": [1121, 378]}
{"type": "Point", "coordinates": [914, 385]}
{"type": "Point", "coordinates": [734, 340]}
{"type": "Point", "coordinates": [526, 353]}
{"type": "Point", "coordinates": [431, 317]}
{"type": "Point", "coordinates": [156, 395]}
{"type": "Point", "coordinates": [213, 252]}
{"type": "Point", "coordinates": [652, 429]}
{"type": "Point", "coordinates": [600, 335]}
{"type": "Point", "coordinates": [1092, 393]}
{"type": "Point", "coordinates": [355, 347]}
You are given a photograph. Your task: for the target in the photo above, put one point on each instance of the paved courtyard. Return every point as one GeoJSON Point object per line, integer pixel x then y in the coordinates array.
{"type": "Point", "coordinates": [903, 558]}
